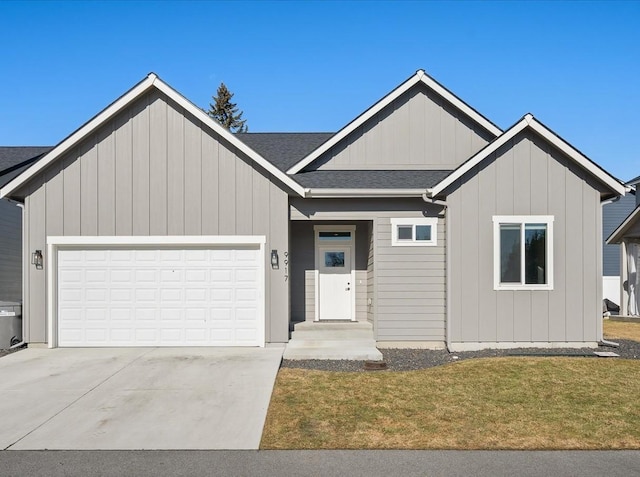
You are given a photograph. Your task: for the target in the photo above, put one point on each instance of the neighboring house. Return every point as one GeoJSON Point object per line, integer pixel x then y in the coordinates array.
{"type": "Point", "coordinates": [159, 227]}
{"type": "Point", "coordinates": [13, 160]}
{"type": "Point", "coordinates": [627, 237]}
{"type": "Point", "coordinates": [614, 212]}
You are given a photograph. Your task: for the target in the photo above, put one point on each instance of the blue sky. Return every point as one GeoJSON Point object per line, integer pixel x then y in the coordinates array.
{"type": "Point", "coordinates": [314, 66]}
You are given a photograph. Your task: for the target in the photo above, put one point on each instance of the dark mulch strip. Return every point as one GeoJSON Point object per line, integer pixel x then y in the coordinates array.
{"type": "Point", "coordinates": [4, 352]}
{"type": "Point", "coordinates": [413, 359]}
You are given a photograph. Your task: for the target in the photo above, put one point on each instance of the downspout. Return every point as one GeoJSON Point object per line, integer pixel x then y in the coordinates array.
{"type": "Point", "coordinates": [24, 275]}
{"type": "Point", "coordinates": [427, 197]}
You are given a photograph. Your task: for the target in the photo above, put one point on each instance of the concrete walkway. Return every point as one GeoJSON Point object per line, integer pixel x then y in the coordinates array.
{"type": "Point", "coordinates": [136, 398]}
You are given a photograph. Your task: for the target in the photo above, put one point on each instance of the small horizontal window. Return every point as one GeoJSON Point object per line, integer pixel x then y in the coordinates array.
{"type": "Point", "coordinates": [414, 232]}
{"type": "Point", "coordinates": [334, 236]}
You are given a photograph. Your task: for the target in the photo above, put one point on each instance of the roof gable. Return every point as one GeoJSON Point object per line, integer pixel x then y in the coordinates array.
{"type": "Point", "coordinates": [528, 121]}
{"type": "Point", "coordinates": [151, 81]}
{"type": "Point", "coordinates": [627, 225]}
{"type": "Point", "coordinates": [420, 77]}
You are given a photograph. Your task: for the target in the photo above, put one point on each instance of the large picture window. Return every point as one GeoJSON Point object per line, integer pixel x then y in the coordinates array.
{"type": "Point", "coordinates": [523, 253]}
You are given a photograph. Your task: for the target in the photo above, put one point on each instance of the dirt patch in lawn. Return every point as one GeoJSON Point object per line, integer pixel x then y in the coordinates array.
{"type": "Point", "coordinates": [492, 403]}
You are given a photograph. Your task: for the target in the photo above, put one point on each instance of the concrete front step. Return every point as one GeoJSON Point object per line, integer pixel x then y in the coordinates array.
{"type": "Point", "coordinates": [332, 340]}
{"type": "Point", "coordinates": [332, 343]}
{"type": "Point", "coordinates": [323, 334]}
{"type": "Point", "coordinates": [354, 354]}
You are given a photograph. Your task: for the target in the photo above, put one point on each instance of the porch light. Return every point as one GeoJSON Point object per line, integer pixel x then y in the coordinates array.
{"type": "Point", "coordinates": [36, 259]}
{"type": "Point", "coordinates": [274, 259]}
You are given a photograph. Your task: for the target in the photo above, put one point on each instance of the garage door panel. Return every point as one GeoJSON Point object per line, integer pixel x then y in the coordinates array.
{"type": "Point", "coordinates": [166, 297]}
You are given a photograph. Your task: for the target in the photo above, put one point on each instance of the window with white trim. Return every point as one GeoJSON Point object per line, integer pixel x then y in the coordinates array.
{"type": "Point", "coordinates": [421, 231]}
{"type": "Point", "coordinates": [523, 252]}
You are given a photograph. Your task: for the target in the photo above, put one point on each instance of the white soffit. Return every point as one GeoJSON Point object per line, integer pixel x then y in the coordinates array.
{"type": "Point", "coordinates": [531, 122]}
{"type": "Point", "coordinates": [121, 103]}
{"type": "Point", "coordinates": [419, 76]}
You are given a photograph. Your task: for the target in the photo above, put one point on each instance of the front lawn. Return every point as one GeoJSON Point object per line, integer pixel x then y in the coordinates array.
{"type": "Point", "coordinates": [621, 330]}
{"type": "Point", "coordinates": [492, 403]}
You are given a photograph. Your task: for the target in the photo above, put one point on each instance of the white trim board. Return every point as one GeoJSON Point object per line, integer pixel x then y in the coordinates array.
{"type": "Point", "coordinates": [528, 121]}
{"type": "Point", "coordinates": [419, 76]}
{"type": "Point", "coordinates": [151, 81]}
{"type": "Point", "coordinates": [54, 243]}
{"type": "Point", "coordinates": [618, 234]}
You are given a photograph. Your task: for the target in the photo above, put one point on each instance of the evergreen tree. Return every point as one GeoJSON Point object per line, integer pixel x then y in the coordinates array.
{"type": "Point", "coordinates": [226, 112]}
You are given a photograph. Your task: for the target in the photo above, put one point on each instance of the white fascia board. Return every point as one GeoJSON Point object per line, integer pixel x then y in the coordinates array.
{"type": "Point", "coordinates": [574, 154]}
{"type": "Point", "coordinates": [227, 135]}
{"type": "Point", "coordinates": [356, 123]}
{"type": "Point", "coordinates": [419, 76]}
{"type": "Point", "coordinates": [80, 134]}
{"type": "Point", "coordinates": [160, 240]}
{"type": "Point", "coordinates": [346, 193]}
{"type": "Point", "coordinates": [479, 157]}
{"type": "Point", "coordinates": [461, 105]}
{"type": "Point", "coordinates": [563, 146]}
{"type": "Point", "coordinates": [618, 233]}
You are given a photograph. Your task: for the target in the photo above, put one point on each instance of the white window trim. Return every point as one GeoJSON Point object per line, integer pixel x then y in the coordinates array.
{"type": "Point", "coordinates": [522, 219]}
{"type": "Point", "coordinates": [413, 221]}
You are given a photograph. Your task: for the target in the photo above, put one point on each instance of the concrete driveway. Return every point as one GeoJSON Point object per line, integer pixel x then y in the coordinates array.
{"type": "Point", "coordinates": [136, 398]}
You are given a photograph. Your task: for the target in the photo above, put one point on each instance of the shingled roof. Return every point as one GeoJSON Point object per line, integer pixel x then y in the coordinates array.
{"type": "Point", "coordinates": [15, 159]}
{"type": "Point", "coordinates": [283, 150]}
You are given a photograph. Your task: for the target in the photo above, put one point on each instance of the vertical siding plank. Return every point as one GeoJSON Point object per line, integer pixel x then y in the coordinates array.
{"type": "Point", "coordinates": [244, 202]}
{"type": "Point", "coordinates": [141, 169]}
{"type": "Point", "coordinates": [558, 207]}
{"type": "Point", "coordinates": [521, 156]}
{"type": "Point", "coordinates": [71, 199]}
{"type": "Point", "coordinates": [279, 288]}
{"type": "Point", "coordinates": [106, 181]}
{"type": "Point", "coordinates": [487, 318]}
{"type": "Point", "coordinates": [504, 206]}
{"type": "Point", "coordinates": [37, 241]}
{"type": "Point", "coordinates": [574, 267]}
{"type": "Point", "coordinates": [210, 179]}
{"type": "Point", "coordinates": [55, 196]}
{"type": "Point", "coordinates": [227, 191]}
{"type": "Point", "coordinates": [261, 207]}
{"type": "Point", "coordinates": [175, 170]}
{"type": "Point", "coordinates": [89, 191]}
{"type": "Point", "coordinates": [469, 258]}
{"type": "Point", "coordinates": [454, 220]}
{"type": "Point", "coordinates": [123, 175]}
{"type": "Point", "coordinates": [192, 177]}
{"type": "Point", "coordinates": [157, 165]}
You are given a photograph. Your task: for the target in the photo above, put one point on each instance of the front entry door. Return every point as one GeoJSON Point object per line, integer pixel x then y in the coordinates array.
{"type": "Point", "coordinates": [335, 285]}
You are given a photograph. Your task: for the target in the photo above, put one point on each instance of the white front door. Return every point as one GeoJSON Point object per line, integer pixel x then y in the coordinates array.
{"type": "Point", "coordinates": [335, 285]}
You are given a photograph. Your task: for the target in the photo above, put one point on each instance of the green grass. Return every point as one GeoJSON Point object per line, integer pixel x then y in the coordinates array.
{"type": "Point", "coordinates": [497, 403]}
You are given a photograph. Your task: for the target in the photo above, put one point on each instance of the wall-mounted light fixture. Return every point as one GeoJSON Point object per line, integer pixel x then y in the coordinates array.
{"type": "Point", "coordinates": [36, 259]}
{"type": "Point", "coordinates": [274, 259]}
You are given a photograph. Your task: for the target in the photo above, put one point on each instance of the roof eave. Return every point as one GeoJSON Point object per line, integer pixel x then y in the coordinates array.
{"type": "Point", "coordinates": [318, 193]}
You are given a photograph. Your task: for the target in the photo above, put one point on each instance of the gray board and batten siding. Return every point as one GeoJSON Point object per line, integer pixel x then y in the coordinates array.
{"type": "Point", "coordinates": [418, 130]}
{"type": "Point", "coordinates": [525, 177]}
{"type": "Point", "coordinates": [406, 285]}
{"type": "Point", "coordinates": [613, 214]}
{"type": "Point", "coordinates": [155, 170]}
{"type": "Point", "coordinates": [13, 161]}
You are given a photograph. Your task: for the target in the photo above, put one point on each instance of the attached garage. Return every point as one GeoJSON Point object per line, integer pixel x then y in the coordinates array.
{"type": "Point", "coordinates": [157, 291]}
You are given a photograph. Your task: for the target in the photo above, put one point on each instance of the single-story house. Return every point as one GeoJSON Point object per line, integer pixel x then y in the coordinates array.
{"type": "Point", "coordinates": [614, 212]}
{"type": "Point", "coordinates": [13, 160]}
{"type": "Point", "coordinates": [627, 236]}
{"type": "Point", "coordinates": [151, 225]}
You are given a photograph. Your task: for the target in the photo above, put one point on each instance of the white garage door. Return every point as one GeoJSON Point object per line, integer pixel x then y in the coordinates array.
{"type": "Point", "coordinates": [160, 297]}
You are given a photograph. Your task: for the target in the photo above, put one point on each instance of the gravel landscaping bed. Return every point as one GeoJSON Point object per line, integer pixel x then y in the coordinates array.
{"type": "Point", "coordinates": [413, 359]}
